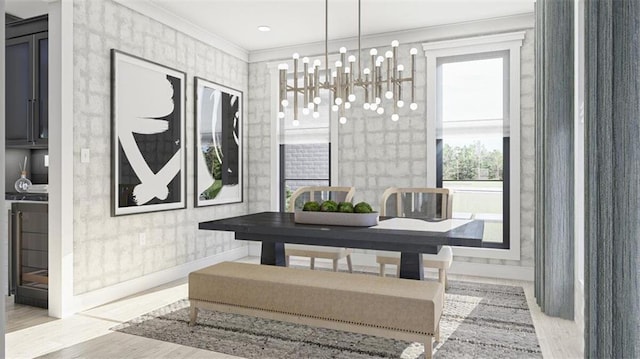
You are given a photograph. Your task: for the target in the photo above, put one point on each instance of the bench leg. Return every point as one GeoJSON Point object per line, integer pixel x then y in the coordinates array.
{"type": "Point", "coordinates": [428, 348]}
{"type": "Point", "coordinates": [382, 269]}
{"type": "Point", "coordinates": [193, 315]}
{"type": "Point", "coordinates": [335, 265]}
{"type": "Point", "coordinates": [313, 263]}
{"type": "Point", "coordinates": [286, 261]}
{"type": "Point", "coordinates": [349, 264]}
{"type": "Point", "coordinates": [442, 277]}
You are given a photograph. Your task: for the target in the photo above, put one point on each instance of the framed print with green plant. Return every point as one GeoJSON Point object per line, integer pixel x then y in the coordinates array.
{"type": "Point", "coordinates": [218, 141]}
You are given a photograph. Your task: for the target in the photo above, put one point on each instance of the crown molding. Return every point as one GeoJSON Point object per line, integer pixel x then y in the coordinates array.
{"type": "Point", "coordinates": [157, 13]}
{"type": "Point", "coordinates": [431, 33]}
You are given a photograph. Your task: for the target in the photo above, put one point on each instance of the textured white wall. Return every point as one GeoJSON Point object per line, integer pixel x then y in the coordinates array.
{"type": "Point", "coordinates": [106, 249]}
{"type": "Point", "coordinates": [376, 153]}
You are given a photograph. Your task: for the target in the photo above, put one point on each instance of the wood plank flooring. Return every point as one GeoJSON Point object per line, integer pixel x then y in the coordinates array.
{"type": "Point", "coordinates": [32, 334]}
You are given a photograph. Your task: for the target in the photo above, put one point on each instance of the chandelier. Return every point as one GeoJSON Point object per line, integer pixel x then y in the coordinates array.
{"type": "Point", "coordinates": [382, 79]}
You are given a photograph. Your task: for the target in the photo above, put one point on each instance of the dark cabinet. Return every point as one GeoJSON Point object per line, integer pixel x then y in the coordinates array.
{"type": "Point", "coordinates": [29, 262]}
{"type": "Point", "coordinates": [27, 84]}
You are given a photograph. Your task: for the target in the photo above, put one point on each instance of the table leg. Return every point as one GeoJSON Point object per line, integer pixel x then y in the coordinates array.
{"type": "Point", "coordinates": [411, 266]}
{"type": "Point", "coordinates": [273, 254]}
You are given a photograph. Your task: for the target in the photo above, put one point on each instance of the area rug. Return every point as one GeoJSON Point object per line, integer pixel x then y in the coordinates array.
{"type": "Point", "coordinates": [478, 321]}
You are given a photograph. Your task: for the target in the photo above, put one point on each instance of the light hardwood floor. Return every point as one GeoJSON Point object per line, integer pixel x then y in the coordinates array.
{"type": "Point", "coordinates": [30, 333]}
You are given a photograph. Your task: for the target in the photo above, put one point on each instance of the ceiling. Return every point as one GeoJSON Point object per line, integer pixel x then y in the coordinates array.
{"type": "Point", "coordinates": [296, 22]}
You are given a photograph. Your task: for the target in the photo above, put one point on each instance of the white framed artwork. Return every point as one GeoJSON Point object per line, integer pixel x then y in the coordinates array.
{"type": "Point", "coordinates": [218, 144]}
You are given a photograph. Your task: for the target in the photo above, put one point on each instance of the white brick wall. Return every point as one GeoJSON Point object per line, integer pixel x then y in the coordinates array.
{"type": "Point", "coordinates": [376, 153]}
{"type": "Point", "coordinates": [307, 160]}
{"type": "Point", "coordinates": [107, 249]}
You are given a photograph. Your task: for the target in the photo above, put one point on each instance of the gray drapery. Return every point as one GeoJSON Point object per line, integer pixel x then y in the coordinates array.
{"type": "Point", "coordinates": [554, 202]}
{"type": "Point", "coordinates": [612, 144]}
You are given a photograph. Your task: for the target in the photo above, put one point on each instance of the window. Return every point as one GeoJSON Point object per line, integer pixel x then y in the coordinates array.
{"type": "Point", "coordinates": [472, 138]}
{"type": "Point", "coordinates": [473, 115]}
{"type": "Point", "coordinates": [304, 151]}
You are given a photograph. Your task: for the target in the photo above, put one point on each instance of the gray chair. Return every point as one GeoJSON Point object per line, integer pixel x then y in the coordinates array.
{"type": "Point", "coordinates": [319, 193]}
{"type": "Point", "coordinates": [429, 203]}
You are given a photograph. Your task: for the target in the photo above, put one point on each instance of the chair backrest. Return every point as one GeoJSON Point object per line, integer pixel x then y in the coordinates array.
{"type": "Point", "coordinates": [431, 203]}
{"type": "Point", "coordinates": [320, 194]}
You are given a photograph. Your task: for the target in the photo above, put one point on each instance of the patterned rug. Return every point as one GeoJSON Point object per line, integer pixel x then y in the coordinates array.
{"type": "Point", "coordinates": [479, 321]}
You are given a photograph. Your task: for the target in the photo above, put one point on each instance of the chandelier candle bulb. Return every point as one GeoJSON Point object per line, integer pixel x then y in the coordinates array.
{"type": "Point", "coordinates": [389, 93]}
{"type": "Point", "coordinates": [305, 92]}
{"type": "Point", "coordinates": [413, 53]}
{"type": "Point", "coordinates": [396, 78]}
{"type": "Point", "coordinates": [295, 86]}
{"type": "Point", "coordinates": [380, 110]}
{"type": "Point", "coordinates": [316, 114]}
{"type": "Point", "coordinates": [283, 87]}
{"type": "Point", "coordinates": [400, 80]}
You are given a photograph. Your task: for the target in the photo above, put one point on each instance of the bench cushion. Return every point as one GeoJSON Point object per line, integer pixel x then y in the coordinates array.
{"type": "Point", "coordinates": [398, 304]}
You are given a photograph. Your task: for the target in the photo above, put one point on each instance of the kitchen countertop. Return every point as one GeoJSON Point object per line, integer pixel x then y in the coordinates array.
{"type": "Point", "coordinates": [28, 196]}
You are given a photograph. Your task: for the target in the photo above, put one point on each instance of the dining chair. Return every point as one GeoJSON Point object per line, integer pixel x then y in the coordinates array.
{"type": "Point", "coordinates": [319, 194]}
{"type": "Point", "coordinates": [423, 203]}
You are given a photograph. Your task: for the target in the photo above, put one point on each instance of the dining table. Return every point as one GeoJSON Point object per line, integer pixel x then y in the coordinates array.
{"type": "Point", "coordinates": [409, 236]}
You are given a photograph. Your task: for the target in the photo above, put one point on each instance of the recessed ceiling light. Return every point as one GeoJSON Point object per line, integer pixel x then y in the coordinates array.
{"type": "Point", "coordinates": [264, 28]}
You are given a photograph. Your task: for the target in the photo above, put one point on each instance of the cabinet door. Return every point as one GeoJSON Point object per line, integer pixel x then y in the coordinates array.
{"type": "Point", "coordinates": [41, 106]}
{"type": "Point", "coordinates": [19, 90]}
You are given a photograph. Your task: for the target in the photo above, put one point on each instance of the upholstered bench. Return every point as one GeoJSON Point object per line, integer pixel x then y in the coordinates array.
{"type": "Point", "coordinates": [389, 307]}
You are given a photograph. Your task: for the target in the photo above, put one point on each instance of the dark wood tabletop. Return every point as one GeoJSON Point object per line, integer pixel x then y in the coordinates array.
{"type": "Point", "coordinates": [274, 229]}
{"type": "Point", "coordinates": [280, 227]}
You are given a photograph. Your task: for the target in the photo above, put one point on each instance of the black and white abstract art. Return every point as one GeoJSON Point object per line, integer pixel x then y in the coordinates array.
{"type": "Point", "coordinates": [148, 137]}
{"type": "Point", "coordinates": [218, 144]}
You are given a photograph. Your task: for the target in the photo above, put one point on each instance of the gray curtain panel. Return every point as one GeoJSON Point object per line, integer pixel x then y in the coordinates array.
{"type": "Point", "coordinates": [554, 234]}
{"type": "Point", "coordinates": [612, 143]}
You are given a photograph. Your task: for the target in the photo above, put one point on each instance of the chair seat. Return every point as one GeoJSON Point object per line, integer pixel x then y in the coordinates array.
{"type": "Point", "coordinates": [302, 250]}
{"type": "Point", "coordinates": [442, 260]}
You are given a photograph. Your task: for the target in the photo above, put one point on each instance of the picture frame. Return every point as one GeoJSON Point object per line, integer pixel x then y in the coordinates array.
{"type": "Point", "coordinates": [218, 144]}
{"type": "Point", "coordinates": [148, 102]}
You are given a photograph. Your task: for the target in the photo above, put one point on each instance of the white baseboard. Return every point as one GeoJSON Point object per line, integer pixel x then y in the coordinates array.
{"type": "Point", "coordinates": [463, 268]}
{"type": "Point", "coordinates": [255, 248]}
{"type": "Point", "coordinates": [105, 295]}
{"type": "Point", "coordinates": [492, 271]}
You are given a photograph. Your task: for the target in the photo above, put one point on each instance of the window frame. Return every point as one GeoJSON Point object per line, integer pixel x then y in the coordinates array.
{"type": "Point", "coordinates": [510, 42]}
